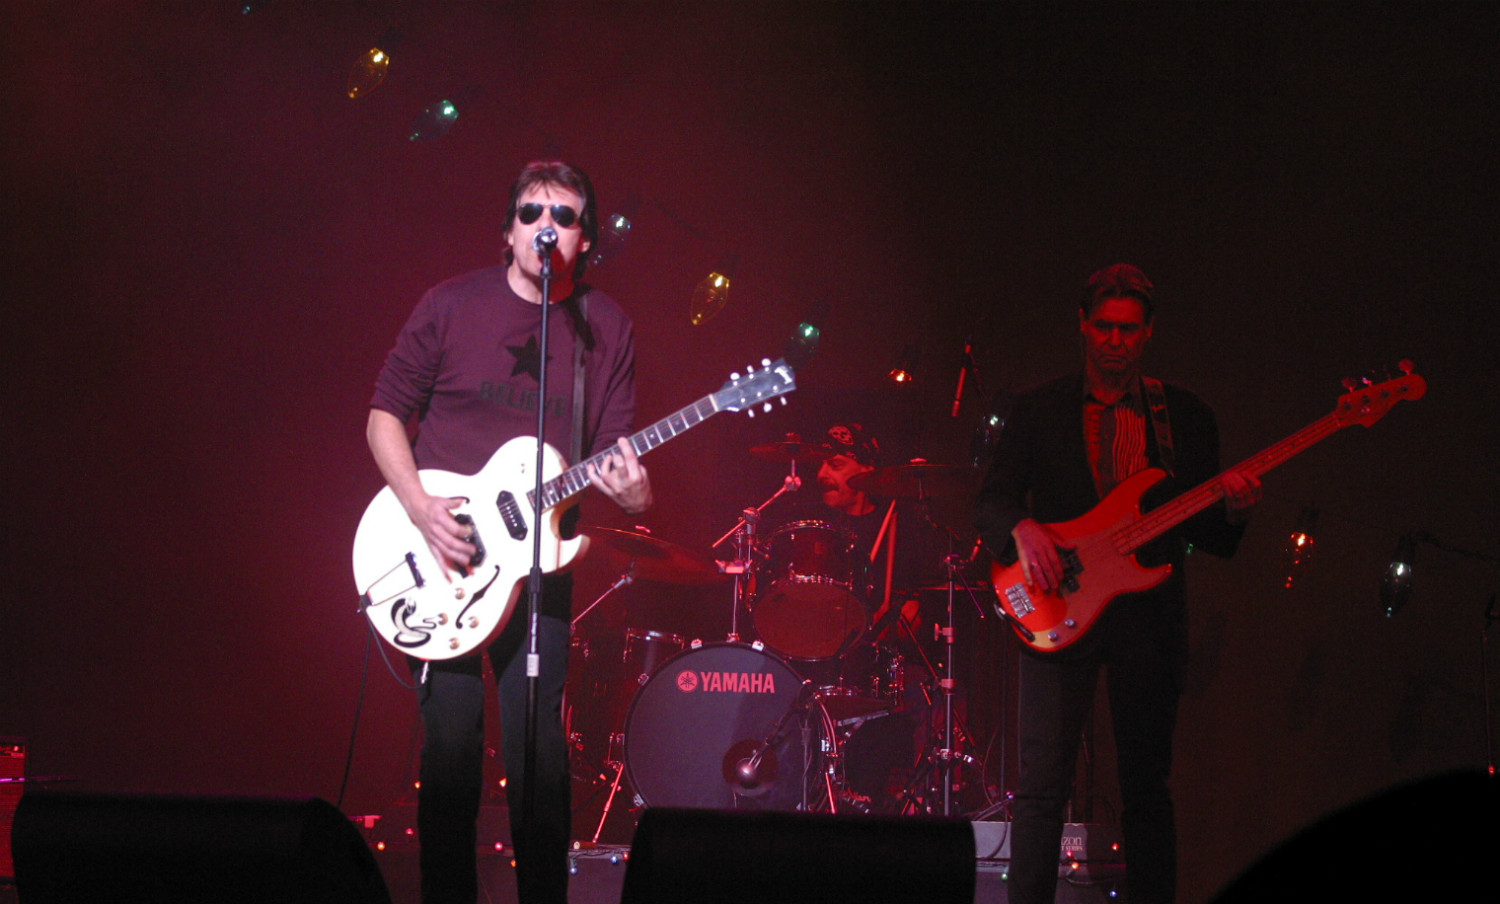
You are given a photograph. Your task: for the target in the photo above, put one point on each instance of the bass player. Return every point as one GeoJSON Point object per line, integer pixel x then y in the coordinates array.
{"type": "Point", "coordinates": [1067, 443]}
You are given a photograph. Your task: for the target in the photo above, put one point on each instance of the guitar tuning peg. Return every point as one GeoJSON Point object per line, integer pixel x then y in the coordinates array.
{"type": "Point", "coordinates": [1406, 366]}
{"type": "Point", "coordinates": [1367, 381]}
{"type": "Point", "coordinates": [750, 412]}
{"type": "Point", "coordinates": [734, 377]}
{"type": "Point", "coordinates": [767, 408]}
{"type": "Point", "coordinates": [783, 400]}
{"type": "Point", "coordinates": [765, 362]}
{"type": "Point", "coordinates": [1350, 384]}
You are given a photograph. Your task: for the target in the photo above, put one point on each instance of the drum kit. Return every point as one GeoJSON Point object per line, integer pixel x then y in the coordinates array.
{"type": "Point", "coordinates": [827, 699]}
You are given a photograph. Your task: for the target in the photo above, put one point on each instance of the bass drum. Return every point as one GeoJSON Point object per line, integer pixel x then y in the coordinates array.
{"type": "Point", "coordinates": [697, 723]}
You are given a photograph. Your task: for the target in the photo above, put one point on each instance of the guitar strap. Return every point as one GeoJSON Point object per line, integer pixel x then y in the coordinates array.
{"type": "Point", "coordinates": [575, 446]}
{"type": "Point", "coordinates": [1156, 401]}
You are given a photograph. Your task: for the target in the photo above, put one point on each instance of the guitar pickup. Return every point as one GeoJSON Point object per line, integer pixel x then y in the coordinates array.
{"type": "Point", "coordinates": [477, 558]}
{"type": "Point", "coordinates": [1072, 568]}
{"type": "Point", "coordinates": [510, 513]}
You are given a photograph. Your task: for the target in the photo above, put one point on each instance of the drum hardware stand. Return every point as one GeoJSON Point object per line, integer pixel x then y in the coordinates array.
{"type": "Point", "coordinates": [626, 578]}
{"type": "Point", "coordinates": [946, 756]}
{"type": "Point", "coordinates": [618, 764]}
{"type": "Point", "coordinates": [744, 534]}
{"type": "Point", "coordinates": [833, 758]}
{"type": "Point", "coordinates": [747, 769]}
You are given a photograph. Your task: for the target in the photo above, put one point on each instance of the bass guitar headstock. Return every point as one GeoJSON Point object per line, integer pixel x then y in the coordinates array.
{"type": "Point", "coordinates": [1367, 401]}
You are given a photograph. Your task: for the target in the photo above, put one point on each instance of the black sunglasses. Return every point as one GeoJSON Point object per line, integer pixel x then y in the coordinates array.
{"type": "Point", "coordinates": [562, 214]}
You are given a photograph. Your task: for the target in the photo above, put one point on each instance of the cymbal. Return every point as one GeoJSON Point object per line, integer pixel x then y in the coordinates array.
{"type": "Point", "coordinates": [651, 559]}
{"type": "Point", "coordinates": [791, 450]}
{"type": "Point", "coordinates": [913, 480]}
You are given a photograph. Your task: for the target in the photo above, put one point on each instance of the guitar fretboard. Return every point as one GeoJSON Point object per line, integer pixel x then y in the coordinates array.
{"type": "Point", "coordinates": [576, 479]}
{"type": "Point", "coordinates": [1362, 407]}
{"type": "Point", "coordinates": [1160, 520]}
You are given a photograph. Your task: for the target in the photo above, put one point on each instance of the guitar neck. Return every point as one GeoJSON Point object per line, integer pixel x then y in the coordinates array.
{"type": "Point", "coordinates": [576, 479]}
{"type": "Point", "coordinates": [1158, 521]}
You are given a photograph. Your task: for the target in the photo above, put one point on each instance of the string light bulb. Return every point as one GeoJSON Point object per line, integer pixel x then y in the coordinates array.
{"type": "Point", "coordinates": [905, 368]}
{"type": "Point", "coordinates": [1299, 546]}
{"type": "Point", "coordinates": [368, 72]}
{"type": "Point", "coordinates": [616, 229]}
{"type": "Point", "coordinates": [802, 344]}
{"type": "Point", "coordinates": [370, 69]}
{"type": "Point", "coordinates": [712, 293]}
{"type": "Point", "coordinates": [434, 121]}
{"type": "Point", "coordinates": [1396, 586]}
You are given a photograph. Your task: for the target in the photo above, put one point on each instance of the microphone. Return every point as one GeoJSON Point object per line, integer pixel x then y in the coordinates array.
{"type": "Point", "coordinates": [544, 241]}
{"type": "Point", "coordinates": [958, 393]}
{"type": "Point", "coordinates": [748, 770]}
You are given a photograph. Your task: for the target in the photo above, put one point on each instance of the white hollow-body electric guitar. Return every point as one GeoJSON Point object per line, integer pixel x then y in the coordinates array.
{"type": "Point", "coordinates": [402, 588]}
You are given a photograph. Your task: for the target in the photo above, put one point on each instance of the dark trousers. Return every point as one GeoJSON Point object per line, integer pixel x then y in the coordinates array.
{"type": "Point", "coordinates": [452, 773]}
{"type": "Point", "coordinates": [1142, 653]}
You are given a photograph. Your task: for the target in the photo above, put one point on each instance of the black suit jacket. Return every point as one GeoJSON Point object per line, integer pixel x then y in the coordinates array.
{"type": "Point", "coordinates": [1041, 470]}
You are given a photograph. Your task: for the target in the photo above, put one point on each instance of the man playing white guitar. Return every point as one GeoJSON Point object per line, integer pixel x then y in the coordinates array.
{"type": "Point", "coordinates": [1066, 445]}
{"type": "Point", "coordinates": [466, 367]}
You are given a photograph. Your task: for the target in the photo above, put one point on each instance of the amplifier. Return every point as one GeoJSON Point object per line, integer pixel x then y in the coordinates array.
{"type": "Point", "coordinates": [12, 770]}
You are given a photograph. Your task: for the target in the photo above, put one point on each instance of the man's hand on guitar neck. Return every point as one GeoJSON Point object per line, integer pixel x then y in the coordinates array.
{"type": "Point", "coordinates": [1036, 547]}
{"type": "Point", "coordinates": [623, 478]}
{"type": "Point", "coordinates": [1241, 492]}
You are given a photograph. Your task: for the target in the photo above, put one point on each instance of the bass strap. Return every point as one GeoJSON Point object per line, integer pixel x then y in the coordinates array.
{"type": "Point", "coordinates": [1156, 402]}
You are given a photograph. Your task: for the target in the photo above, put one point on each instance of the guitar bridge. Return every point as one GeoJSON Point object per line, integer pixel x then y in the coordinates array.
{"type": "Point", "coordinates": [1020, 600]}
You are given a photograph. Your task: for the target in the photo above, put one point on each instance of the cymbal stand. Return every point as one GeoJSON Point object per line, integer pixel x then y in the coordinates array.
{"type": "Point", "coordinates": [743, 533]}
{"type": "Point", "coordinates": [626, 578]}
{"type": "Point", "coordinates": [947, 755]}
{"type": "Point", "coordinates": [618, 764]}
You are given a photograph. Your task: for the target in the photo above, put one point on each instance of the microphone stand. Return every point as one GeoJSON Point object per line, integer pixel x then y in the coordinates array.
{"type": "Point", "coordinates": [534, 585]}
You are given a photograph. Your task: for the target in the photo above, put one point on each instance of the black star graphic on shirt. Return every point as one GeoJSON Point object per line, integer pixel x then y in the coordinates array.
{"type": "Point", "coordinates": [528, 359]}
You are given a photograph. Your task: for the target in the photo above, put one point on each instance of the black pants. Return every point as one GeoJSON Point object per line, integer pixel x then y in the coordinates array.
{"type": "Point", "coordinates": [1141, 644]}
{"type": "Point", "coordinates": [452, 773]}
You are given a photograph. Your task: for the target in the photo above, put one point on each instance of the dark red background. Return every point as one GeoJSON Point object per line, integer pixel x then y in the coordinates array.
{"type": "Point", "coordinates": [210, 248]}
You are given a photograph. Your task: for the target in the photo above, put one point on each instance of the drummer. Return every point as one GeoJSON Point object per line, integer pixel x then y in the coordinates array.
{"type": "Point", "coordinates": [852, 451]}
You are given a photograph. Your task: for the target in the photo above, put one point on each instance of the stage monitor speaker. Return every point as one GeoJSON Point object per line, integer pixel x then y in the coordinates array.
{"type": "Point", "coordinates": [75, 848]}
{"type": "Point", "coordinates": [751, 857]}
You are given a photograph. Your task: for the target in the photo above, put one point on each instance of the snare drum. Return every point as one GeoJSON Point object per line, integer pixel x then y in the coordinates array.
{"type": "Point", "coordinates": [809, 608]}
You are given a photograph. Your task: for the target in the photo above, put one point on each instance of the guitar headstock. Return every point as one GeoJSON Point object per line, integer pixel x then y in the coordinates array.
{"type": "Point", "coordinates": [744, 393]}
{"type": "Point", "coordinates": [1367, 403]}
